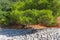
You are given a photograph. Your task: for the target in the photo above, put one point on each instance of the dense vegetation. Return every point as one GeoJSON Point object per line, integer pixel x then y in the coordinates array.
{"type": "Point", "coordinates": [29, 12]}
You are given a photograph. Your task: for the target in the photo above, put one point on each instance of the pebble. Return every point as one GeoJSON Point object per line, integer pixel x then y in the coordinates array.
{"type": "Point", "coordinates": [44, 34]}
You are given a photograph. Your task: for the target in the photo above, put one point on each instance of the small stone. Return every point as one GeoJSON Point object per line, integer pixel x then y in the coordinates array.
{"type": "Point", "coordinates": [44, 34]}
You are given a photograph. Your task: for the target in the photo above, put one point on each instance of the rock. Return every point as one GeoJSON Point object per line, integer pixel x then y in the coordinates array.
{"type": "Point", "coordinates": [26, 34]}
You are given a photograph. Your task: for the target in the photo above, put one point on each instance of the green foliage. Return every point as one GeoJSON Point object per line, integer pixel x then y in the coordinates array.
{"type": "Point", "coordinates": [29, 12]}
{"type": "Point", "coordinates": [23, 17]}
{"type": "Point", "coordinates": [46, 18]}
{"type": "Point", "coordinates": [34, 17]}
{"type": "Point", "coordinates": [18, 6]}
{"type": "Point", "coordinates": [2, 18]}
{"type": "Point", "coordinates": [27, 17]}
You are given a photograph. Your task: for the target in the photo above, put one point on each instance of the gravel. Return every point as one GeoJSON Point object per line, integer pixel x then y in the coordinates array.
{"type": "Point", "coordinates": [30, 34]}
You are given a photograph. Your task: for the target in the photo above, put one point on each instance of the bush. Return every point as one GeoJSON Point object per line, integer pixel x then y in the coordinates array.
{"type": "Point", "coordinates": [13, 17]}
{"type": "Point", "coordinates": [35, 17]}
{"type": "Point", "coordinates": [27, 17]}
{"type": "Point", "coordinates": [30, 17]}
{"type": "Point", "coordinates": [18, 6]}
{"type": "Point", "coordinates": [29, 12]}
{"type": "Point", "coordinates": [21, 17]}
{"type": "Point", "coordinates": [2, 18]}
{"type": "Point", "coordinates": [46, 18]}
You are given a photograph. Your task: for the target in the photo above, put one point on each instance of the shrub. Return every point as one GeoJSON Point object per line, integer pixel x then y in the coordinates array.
{"type": "Point", "coordinates": [27, 17]}
{"type": "Point", "coordinates": [9, 18]}
{"type": "Point", "coordinates": [2, 18]}
{"type": "Point", "coordinates": [29, 12]}
{"type": "Point", "coordinates": [18, 6]}
{"type": "Point", "coordinates": [46, 18]}
{"type": "Point", "coordinates": [30, 17]}
{"type": "Point", "coordinates": [33, 17]}
{"type": "Point", "coordinates": [13, 17]}
{"type": "Point", "coordinates": [36, 16]}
